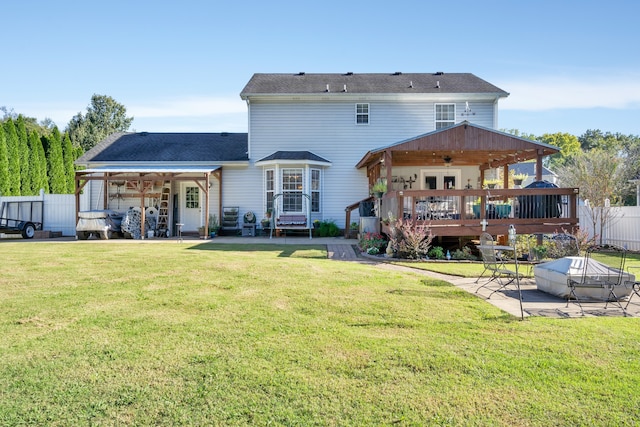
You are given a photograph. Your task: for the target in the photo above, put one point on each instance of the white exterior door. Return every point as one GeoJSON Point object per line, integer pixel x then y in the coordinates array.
{"type": "Point", "coordinates": [190, 206]}
{"type": "Point", "coordinates": [440, 179]}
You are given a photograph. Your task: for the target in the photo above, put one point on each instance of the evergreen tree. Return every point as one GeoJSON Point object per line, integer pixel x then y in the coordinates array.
{"type": "Point", "coordinates": [44, 167]}
{"type": "Point", "coordinates": [68, 156]}
{"type": "Point", "coordinates": [14, 158]}
{"type": "Point", "coordinates": [34, 163]}
{"type": "Point", "coordinates": [23, 147]}
{"type": "Point", "coordinates": [4, 164]}
{"type": "Point", "coordinates": [55, 163]}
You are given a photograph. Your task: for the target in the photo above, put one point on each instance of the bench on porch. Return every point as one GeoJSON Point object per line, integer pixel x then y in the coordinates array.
{"type": "Point", "coordinates": [292, 222]}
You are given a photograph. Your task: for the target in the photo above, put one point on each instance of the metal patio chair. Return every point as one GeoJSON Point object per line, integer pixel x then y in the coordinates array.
{"type": "Point", "coordinates": [494, 263]}
{"type": "Point", "coordinates": [596, 275]}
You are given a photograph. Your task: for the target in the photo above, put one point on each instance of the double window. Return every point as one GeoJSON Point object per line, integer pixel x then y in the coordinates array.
{"type": "Point", "coordinates": [445, 115]}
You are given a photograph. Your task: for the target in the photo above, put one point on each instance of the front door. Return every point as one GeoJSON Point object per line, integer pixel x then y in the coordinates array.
{"type": "Point", "coordinates": [440, 179]}
{"type": "Point", "coordinates": [190, 206]}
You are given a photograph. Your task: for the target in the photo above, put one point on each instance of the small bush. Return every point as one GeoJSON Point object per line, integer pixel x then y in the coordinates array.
{"type": "Point", "coordinates": [464, 253]}
{"type": "Point", "coordinates": [373, 251]}
{"type": "Point", "coordinates": [371, 241]}
{"type": "Point", "coordinates": [410, 240]}
{"type": "Point", "coordinates": [436, 252]}
{"type": "Point", "coordinates": [328, 228]}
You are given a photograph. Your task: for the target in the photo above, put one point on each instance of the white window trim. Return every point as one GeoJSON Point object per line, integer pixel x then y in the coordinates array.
{"type": "Point", "coordinates": [435, 115]}
{"type": "Point", "coordinates": [368, 114]}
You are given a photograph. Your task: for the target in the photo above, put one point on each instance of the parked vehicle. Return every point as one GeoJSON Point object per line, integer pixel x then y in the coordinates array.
{"type": "Point", "coordinates": [24, 217]}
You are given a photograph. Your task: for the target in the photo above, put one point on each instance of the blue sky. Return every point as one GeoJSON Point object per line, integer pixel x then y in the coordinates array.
{"type": "Point", "coordinates": [568, 65]}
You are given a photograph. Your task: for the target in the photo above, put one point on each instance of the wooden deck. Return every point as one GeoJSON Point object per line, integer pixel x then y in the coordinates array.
{"type": "Point", "coordinates": [470, 212]}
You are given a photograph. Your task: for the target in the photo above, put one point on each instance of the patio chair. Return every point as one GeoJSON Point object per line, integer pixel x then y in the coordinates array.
{"type": "Point", "coordinates": [635, 290]}
{"type": "Point", "coordinates": [598, 276]}
{"type": "Point", "coordinates": [494, 263]}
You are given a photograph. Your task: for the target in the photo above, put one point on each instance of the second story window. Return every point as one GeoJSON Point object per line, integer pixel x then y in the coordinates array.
{"type": "Point", "coordinates": [445, 115]}
{"type": "Point", "coordinates": [362, 114]}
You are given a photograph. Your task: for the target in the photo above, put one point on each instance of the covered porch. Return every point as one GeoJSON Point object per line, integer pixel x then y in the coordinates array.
{"type": "Point", "coordinates": [144, 186]}
{"type": "Point", "coordinates": [438, 179]}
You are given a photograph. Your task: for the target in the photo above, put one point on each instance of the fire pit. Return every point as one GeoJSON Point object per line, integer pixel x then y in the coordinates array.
{"type": "Point", "coordinates": [551, 277]}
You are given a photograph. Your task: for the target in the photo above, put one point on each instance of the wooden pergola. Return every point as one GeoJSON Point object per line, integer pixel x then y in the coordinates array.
{"type": "Point", "coordinates": [464, 144]}
{"type": "Point", "coordinates": [141, 181]}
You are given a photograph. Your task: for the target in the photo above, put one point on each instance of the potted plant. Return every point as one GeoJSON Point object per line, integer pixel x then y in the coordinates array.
{"type": "Point", "coordinates": [518, 178]}
{"type": "Point", "coordinates": [353, 230]}
{"type": "Point", "coordinates": [379, 188]}
{"type": "Point", "coordinates": [266, 222]}
{"type": "Point", "coordinates": [492, 183]}
{"type": "Point", "coordinates": [214, 225]}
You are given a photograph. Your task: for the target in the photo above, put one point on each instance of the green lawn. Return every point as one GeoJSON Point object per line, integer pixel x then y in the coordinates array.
{"type": "Point", "coordinates": [129, 333]}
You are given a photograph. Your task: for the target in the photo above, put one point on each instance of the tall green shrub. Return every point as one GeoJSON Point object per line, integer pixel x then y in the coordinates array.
{"type": "Point", "coordinates": [23, 148]}
{"type": "Point", "coordinates": [55, 163]}
{"type": "Point", "coordinates": [4, 164]}
{"type": "Point", "coordinates": [13, 154]}
{"type": "Point", "coordinates": [68, 154]}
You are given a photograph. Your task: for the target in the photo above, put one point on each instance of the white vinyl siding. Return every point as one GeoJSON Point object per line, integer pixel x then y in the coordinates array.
{"type": "Point", "coordinates": [326, 128]}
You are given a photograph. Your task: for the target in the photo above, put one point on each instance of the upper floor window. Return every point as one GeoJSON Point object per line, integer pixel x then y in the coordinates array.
{"type": "Point", "coordinates": [445, 115]}
{"type": "Point", "coordinates": [362, 114]}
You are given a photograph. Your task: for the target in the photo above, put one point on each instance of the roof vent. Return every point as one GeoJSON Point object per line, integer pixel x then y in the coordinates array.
{"type": "Point", "coordinates": [397, 73]}
{"type": "Point", "coordinates": [349, 73]}
{"type": "Point", "coordinates": [144, 133]}
{"type": "Point", "coordinates": [224, 133]}
{"type": "Point", "coordinates": [301, 73]}
{"type": "Point", "coordinates": [438, 84]}
{"type": "Point", "coordinates": [344, 88]}
{"type": "Point", "coordinates": [411, 84]}
{"type": "Point", "coordinates": [439, 73]}
{"type": "Point", "coordinates": [327, 90]}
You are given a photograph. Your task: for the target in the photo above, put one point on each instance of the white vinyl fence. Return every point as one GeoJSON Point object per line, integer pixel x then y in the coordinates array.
{"type": "Point", "coordinates": [622, 229]}
{"type": "Point", "coordinates": [59, 211]}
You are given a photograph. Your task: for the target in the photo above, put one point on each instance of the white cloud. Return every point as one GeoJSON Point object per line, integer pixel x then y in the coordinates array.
{"type": "Point", "coordinates": [548, 93]}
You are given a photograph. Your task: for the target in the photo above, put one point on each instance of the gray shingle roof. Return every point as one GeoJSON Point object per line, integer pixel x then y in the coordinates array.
{"type": "Point", "coordinates": [294, 155]}
{"type": "Point", "coordinates": [370, 83]}
{"type": "Point", "coordinates": [529, 168]}
{"type": "Point", "coordinates": [169, 147]}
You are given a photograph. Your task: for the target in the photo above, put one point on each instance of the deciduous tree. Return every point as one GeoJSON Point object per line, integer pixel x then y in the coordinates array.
{"type": "Point", "coordinates": [597, 174]}
{"type": "Point", "coordinates": [104, 116]}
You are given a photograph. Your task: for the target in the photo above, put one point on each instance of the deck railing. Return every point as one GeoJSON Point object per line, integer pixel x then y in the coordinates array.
{"type": "Point", "coordinates": [469, 212]}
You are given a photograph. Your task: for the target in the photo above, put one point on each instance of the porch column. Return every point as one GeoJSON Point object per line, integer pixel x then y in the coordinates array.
{"type": "Point", "coordinates": [539, 166]}
{"type": "Point", "coordinates": [388, 165]}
